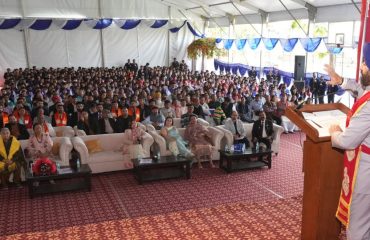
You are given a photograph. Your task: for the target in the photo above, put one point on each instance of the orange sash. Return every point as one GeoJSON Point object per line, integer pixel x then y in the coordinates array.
{"type": "Point", "coordinates": [118, 112]}
{"type": "Point", "coordinates": [351, 161]}
{"type": "Point", "coordinates": [60, 120]}
{"type": "Point", "coordinates": [137, 114]}
{"type": "Point", "coordinates": [46, 129]}
{"type": "Point", "coordinates": [5, 118]}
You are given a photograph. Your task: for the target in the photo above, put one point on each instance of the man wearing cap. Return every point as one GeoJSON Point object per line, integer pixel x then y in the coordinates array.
{"type": "Point", "coordinates": [60, 117]}
{"type": "Point", "coordinates": [185, 118]}
{"type": "Point", "coordinates": [354, 204]}
{"type": "Point", "coordinates": [155, 118]}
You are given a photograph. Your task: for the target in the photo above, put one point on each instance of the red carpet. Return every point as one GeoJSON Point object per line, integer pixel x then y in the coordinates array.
{"type": "Point", "coordinates": [277, 220]}
{"type": "Point", "coordinates": [117, 196]}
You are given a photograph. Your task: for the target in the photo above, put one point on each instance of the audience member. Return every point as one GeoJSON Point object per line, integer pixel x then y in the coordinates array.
{"type": "Point", "coordinates": [235, 126]}
{"type": "Point", "coordinates": [262, 131]}
{"type": "Point", "coordinates": [199, 140]}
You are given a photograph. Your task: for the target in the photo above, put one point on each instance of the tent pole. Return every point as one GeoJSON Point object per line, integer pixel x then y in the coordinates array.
{"type": "Point", "coordinates": [25, 37]}
{"type": "Point", "coordinates": [101, 39]}
{"type": "Point", "coordinates": [169, 37]}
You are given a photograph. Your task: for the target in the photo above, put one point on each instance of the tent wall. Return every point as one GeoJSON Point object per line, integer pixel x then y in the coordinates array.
{"type": "Point", "coordinates": [60, 48]}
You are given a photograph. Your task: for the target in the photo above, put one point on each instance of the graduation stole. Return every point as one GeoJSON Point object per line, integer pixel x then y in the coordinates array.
{"type": "Point", "coordinates": [60, 120]}
{"type": "Point", "coordinates": [351, 160]}
{"type": "Point", "coordinates": [14, 147]}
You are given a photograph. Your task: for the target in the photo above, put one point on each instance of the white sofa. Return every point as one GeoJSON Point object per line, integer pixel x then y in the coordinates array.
{"type": "Point", "coordinates": [228, 139]}
{"type": "Point", "coordinates": [111, 157]}
{"type": "Point", "coordinates": [63, 131]}
{"type": "Point", "coordinates": [65, 148]}
{"type": "Point", "coordinates": [177, 124]}
{"type": "Point", "coordinates": [216, 137]}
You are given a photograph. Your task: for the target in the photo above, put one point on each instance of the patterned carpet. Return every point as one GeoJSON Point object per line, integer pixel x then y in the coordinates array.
{"type": "Point", "coordinates": [229, 221]}
{"type": "Point", "coordinates": [117, 203]}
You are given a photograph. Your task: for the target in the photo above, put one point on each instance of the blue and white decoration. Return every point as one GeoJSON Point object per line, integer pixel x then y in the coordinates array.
{"type": "Point", "coordinates": [286, 77]}
{"type": "Point", "coordinates": [308, 44]}
{"type": "Point", "coordinates": [72, 24]}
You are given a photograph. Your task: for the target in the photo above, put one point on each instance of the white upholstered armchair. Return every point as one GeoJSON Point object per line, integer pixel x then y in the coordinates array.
{"type": "Point", "coordinates": [228, 139]}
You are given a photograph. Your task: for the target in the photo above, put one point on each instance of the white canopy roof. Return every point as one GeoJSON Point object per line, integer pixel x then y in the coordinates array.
{"type": "Point", "coordinates": [220, 11]}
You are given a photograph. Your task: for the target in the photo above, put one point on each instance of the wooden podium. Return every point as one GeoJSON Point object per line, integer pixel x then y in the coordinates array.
{"type": "Point", "coordinates": [323, 171]}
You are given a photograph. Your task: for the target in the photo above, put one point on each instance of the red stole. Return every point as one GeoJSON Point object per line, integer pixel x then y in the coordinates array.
{"type": "Point", "coordinates": [60, 120]}
{"type": "Point", "coordinates": [351, 160]}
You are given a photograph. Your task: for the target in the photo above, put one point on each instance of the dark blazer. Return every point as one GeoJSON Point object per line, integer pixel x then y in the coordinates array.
{"type": "Point", "coordinates": [102, 125]}
{"type": "Point", "coordinates": [23, 133]}
{"type": "Point", "coordinates": [257, 129]}
{"type": "Point", "coordinates": [122, 123]}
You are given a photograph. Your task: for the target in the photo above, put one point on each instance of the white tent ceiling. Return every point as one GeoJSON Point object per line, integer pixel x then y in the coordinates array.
{"type": "Point", "coordinates": [218, 11]}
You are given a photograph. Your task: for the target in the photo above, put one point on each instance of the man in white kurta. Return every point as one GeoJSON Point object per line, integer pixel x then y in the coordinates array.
{"type": "Point", "coordinates": [357, 133]}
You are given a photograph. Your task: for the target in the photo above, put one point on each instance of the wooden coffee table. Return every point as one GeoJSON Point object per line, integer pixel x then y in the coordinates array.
{"type": "Point", "coordinates": [249, 159]}
{"type": "Point", "coordinates": [80, 179]}
{"type": "Point", "coordinates": [149, 169]}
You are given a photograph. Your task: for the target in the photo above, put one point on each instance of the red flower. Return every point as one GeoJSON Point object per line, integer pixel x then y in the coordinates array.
{"type": "Point", "coordinates": [44, 161]}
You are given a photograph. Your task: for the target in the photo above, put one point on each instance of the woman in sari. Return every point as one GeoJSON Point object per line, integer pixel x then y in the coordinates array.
{"type": "Point", "coordinates": [175, 143]}
{"type": "Point", "coordinates": [199, 140]}
{"type": "Point", "coordinates": [40, 144]}
{"type": "Point", "coordinates": [132, 143]}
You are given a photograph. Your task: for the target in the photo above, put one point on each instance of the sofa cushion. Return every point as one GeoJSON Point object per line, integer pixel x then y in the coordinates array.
{"type": "Point", "coordinates": [93, 146]}
{"type": "Point", "coordinates": [107, 156]}
{"type": "Point", "coordinates": [55, 148]}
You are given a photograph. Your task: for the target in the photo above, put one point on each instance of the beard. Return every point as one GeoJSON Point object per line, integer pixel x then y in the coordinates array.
{"type": "Point", "coordinates": [365, 79]}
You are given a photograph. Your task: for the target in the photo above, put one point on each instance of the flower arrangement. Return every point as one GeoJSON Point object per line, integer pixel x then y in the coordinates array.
{"type": "Point", "coordinates": [44, 167]}
{"type": "Point", "coordinates": [204, 47]}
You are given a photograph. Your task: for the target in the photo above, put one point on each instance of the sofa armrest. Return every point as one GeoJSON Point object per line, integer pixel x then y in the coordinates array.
{"type": "Point", "coordinates": [278, 130]}
{"type": "Point", "coordinates": [160, 141]}
{"type": "Point", "coordinates": [147, 142]}
{"type": "Point", "coordinates": [64, 150]}
{"type": "Point", "coordinates": [217, 136]}
{"type": "Point", "coordinates": [149, 127]}
{"type": "Point", "coordinates": [81, 148]}
{"type": "Point", "coordinates": [228, 135]}
{"type": "Point", "coordinates": [203, 122]}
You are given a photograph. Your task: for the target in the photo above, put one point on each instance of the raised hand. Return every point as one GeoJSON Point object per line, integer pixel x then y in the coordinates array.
{"type": "Point", "coordinates": [335, 79]}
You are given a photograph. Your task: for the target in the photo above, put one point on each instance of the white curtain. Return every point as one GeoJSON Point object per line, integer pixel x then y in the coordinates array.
{"type": "Point", "coordinates": [153, 46]}
{"type": "Point", "coordinates": [119, 45]}
{"type": "Point", "coordinates": [82, 47]}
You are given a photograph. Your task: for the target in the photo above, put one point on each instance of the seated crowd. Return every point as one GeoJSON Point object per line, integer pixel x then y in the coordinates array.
{"type": "Point", "coordinates": [113, 100]}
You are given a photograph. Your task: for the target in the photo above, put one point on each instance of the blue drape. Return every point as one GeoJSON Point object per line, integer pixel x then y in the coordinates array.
{"type": "Point", "coordinates": [222, 67]}
{"type": "Point", "coordinates": [254, 42]}
{"type": "Point", "coordinates": [310, 44]}
{"type": "Point", "coordinates": [130, 24]}
{"type": "Point", "coordinates": [240, 43]}
{"type": "Point", "coordinates": [288, 44]}
{"type": "Point", "coordinates": [72, 24]}
{"type": "Point", "coordinates": [228, 43]}
{"type": "Point", "coordinates": [103, 23]}
{"type": "Point", "coordinates": [176, 29]}
{"type": "Point", "coordinates": [41, 24]}
{"type": "Point", "coordinates": [215, 63]}
{"type": "Point", "coordinates": [242, 69]}
{"type": "Point", "coordinates": [192, 30]}
{"type": "Point", "coordinates": [218, 40]}
{"type": "Point", "coordinates": [270, 43]}
{"type": "Point", "coordinates": [234, 68]}
{"type": "Point", "coordinates": [159, 23]}
{"type": "Point", "coordinates": [10, 23]}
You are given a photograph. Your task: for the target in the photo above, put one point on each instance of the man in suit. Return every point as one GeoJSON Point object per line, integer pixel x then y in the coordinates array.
{"type": "Point", "coordinates": [262, 130]}
{"type": "Point", "coordinates": [74, 117]}
{"type": "Point", "coordinates": [107, 124]}
{"type": "Point", "coordinates": [16, 129]}
{"type": "Point", "coordinates": [235, 126]}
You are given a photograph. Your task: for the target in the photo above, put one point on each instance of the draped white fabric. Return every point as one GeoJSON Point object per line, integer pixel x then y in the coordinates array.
{"type": "Point", "coordinates": [119, 45]}
{"type": "Point", "coordinates": [82, 47]}
{"type": "Point", "coordinates": [153, 45]}
{"type": "Point", "coordinates": [12, 50]}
